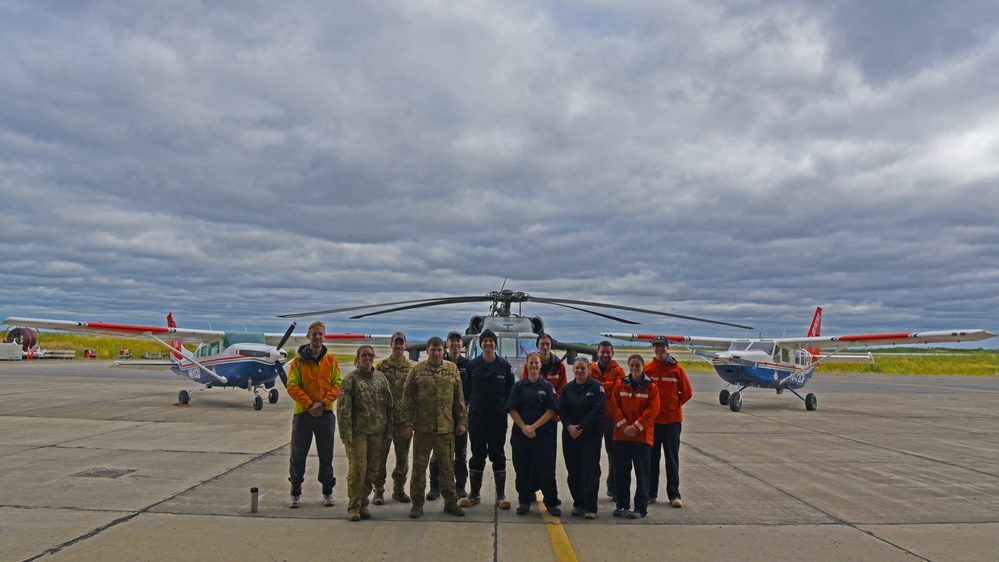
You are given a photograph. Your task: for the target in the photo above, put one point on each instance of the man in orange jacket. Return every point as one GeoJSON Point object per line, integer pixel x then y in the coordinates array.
{"type": "Point", "coordinates": [607, 372]}
{"type": "Point", "coordinates": [634, 407]}
{"type": "Point", "coordinates": [674, 391]}
{"type": "Point", "coordinates": [314, 383]}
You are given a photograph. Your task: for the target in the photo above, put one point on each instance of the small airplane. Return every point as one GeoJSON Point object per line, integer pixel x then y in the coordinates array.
{"type": "Point", "coordinates": [247, 360]}
{"type": "Point", "coordinates": [788, 363]}
{"type": "Point", "coordinates": [516, 333]}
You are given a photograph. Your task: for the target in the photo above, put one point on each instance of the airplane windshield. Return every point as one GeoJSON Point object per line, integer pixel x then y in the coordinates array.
{"type": "Point", "coordinates": [764, 346]}
{"type": "Point", "coordinates": [739, 345]}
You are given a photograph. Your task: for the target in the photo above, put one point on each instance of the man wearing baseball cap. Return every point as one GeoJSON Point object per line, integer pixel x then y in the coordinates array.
{"type": "Point", "coordinates": [396, 368]}
{"type": "Point", "coordinates": [674, 391]}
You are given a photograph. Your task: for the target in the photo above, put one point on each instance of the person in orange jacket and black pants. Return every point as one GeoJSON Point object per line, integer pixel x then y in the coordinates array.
{"type": "Point", "coordinates": [634, 406]}
{"type": "Point", "coordinates": [607, 372]}
{"type": "Point", "coordinates": [674, 391]}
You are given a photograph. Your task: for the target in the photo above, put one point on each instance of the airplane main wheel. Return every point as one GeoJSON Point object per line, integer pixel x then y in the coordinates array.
{"type": "Point", "coordinates": [258, 403]}
{"type": "Point", "coordinates": [735, 402]}
{"type": "Point", "coordinates": [273, 396]}
{"type": "Point", "coordinates": [723, 397]}
{"type": "Point", "coordinates": [184, 397]}
{"type": "Point", "coordinates": [811, 402]}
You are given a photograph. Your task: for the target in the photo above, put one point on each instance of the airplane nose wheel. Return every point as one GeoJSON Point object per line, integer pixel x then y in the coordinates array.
{"type": "Point", "coordinates": [184, 397]}
{"type": "Point", "coordinates": [723, 397]}
{"type": "Point", "coordinates": [273, 396]}
{"type": "Point", "coordinates": [811, 402]}
{"type": "Point", "coordinates": [735, 402]}
{"type": "Point", "coordinates": [258, 403]}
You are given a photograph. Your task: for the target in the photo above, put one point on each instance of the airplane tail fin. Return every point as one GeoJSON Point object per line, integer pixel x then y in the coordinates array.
{"type": "Point", "coordinates": [175, 355]}
{"type": "Point", "coordinates": [815, 329]}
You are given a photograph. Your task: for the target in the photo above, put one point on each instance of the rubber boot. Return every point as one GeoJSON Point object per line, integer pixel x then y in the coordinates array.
{"type": "Point", "coordinates": [475, 480]}
{"type": "Point", "coordinates": [501, 501]}
{"type": "Point", "coordinates": [435, 482]}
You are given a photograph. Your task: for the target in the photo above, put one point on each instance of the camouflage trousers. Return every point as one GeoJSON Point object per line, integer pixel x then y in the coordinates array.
{"type": "Point", "coordinates": [362, 463]}
{"type": "Point", "coordinates": [401, 444]}
{"type": "Point", "coordinates": [442, 445]}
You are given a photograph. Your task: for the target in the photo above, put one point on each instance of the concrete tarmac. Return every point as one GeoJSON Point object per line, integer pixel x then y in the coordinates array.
{"type": "Point", "coordinates": [100, 464]}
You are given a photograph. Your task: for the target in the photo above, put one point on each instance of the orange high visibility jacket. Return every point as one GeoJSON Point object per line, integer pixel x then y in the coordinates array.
{"type": "Point", "coordinates": [674, 388]}
{"type": "Point", "coordinates": [608, 378]}
{"type": "Point", "coordinates": [637, 405]}
{"type": "Point", "coordinates": [313, 380]}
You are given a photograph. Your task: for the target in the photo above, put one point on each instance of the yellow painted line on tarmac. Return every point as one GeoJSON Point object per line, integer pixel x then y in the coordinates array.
{"type": "Point", "coordinates": [560, 541]}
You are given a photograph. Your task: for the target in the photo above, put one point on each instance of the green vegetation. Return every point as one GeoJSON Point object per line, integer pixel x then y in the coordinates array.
{"type": "Point", "coordinates": [107, 347]}
{"type": "Point", "coordinates": [936, 362]}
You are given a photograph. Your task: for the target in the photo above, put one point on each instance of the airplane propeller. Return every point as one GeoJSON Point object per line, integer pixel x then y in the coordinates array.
{"type": "Point", "coordinates": [280, 367]}
{"type": "Point", "coordinates": [501, 306]}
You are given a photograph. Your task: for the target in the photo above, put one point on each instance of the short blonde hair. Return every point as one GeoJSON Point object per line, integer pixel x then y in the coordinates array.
{"type": "Point", "coordinates": [319, 323]}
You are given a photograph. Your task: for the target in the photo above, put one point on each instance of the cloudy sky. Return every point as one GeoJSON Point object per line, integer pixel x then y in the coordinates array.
{"type": "Point", "coordinates": [743, 161]}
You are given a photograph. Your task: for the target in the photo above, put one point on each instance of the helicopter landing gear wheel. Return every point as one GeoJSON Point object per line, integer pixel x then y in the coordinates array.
{"type": "Point", "coordinates": [811, 402]}
{"type": "Point", "coordinates": [184, 397]}
{"type": "Point", "coordinates": [258, 403]}
{"type": "Point", "coordinates": [723, 397]}
{"type": "Point", "coordinates": [273, 396]}
{"type": "Point", "coordinates": [735, 402]}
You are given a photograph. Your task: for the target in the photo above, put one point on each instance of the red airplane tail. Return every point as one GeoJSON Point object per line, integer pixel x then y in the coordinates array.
{"type": "Point", "coordinates": [815, 329]}
{"type": "Point", "coordinates": [176, 345]}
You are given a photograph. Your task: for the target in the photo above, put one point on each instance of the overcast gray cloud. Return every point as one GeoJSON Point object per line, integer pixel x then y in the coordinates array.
{"type": "Point", "coordinates": [743, 161]}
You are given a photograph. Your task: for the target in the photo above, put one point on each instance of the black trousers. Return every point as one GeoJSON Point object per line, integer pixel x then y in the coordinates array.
{"type": "Point", "coordinates": [629, 454]}
{"type": "Point", "coordinates": [533, 461]}
{"type": "Point", "coordinates": [582, 461]}
{"type": "Point", "coordinates": [667, 440]}
{"type": "Point", "coordinates": [303, 427]}
{"type": "Point", "coordinates": [488, 439]}
{"type": "Point", "coordinates": [607, 427]}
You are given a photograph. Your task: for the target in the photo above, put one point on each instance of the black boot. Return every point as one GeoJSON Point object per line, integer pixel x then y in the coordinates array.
{"type": "Point", "coordinates": [435, 481]}
{"type": "Point", "coordinates": [475, 480]}
{"type": "Point", "coordinates": [459, 486]}
{"type": "Point", "coordinates": [501, 501]}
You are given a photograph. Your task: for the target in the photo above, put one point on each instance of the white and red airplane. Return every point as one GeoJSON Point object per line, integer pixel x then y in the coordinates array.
{"type": "Point", "coordinates": [788, 363]}
{"type": "Point", "coordinates": [247, 360]}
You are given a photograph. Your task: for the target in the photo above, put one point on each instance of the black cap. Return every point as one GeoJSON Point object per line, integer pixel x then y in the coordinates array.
{"type": "Point", "coordinates": [660, 340]}
{"type": "Point", "coordinates": [487, 333]}
{"type": "Point", "coordinates": [454, 334]}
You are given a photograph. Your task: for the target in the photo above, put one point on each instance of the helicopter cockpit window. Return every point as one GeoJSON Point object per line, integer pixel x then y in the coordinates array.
{"type": "Point", "coordinates": [508, 347]}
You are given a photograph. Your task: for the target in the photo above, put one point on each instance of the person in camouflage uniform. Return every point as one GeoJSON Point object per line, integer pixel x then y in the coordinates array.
{"type": "Point", "coordinates": [433, 412]}
{"type": "Point", "coordinates": [365, 411]}
{"type": "Point", "coordinates": [395, 368]}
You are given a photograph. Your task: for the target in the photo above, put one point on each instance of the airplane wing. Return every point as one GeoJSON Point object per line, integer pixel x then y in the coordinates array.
{"type": "Point", "coordinates": [120, 330]}
{"type": "Point", "coordinates": [826, 342]}
{"type": "Point", "coordinates": [863, 340]}
{"type": "Point", "coordinates": [301, 339]}
{"type": "Point", "coordinates": [682, 340]}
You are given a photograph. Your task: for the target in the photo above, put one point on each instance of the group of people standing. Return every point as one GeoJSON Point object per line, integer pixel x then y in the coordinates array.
{"type": "Point", "coordinates": [440, 405]}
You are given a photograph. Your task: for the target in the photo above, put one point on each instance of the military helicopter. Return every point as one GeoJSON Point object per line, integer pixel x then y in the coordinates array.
{"type": "Point", "coordinates": [516, 333]}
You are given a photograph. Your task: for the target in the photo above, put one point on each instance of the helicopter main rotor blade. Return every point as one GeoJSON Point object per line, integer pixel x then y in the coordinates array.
{"type": "Point", "coordinates": [608, 316]}
{"type": "Point", "coordinates": [379, 305]}
{"type": "Point", "coordinates": [632, 309]}
{"type": "Point", "coordinates": [436, 302]}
